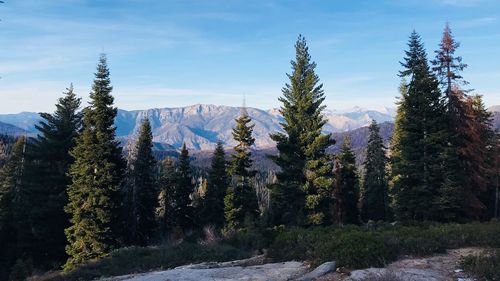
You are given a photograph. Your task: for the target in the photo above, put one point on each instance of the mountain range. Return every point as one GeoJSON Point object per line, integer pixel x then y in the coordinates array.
{"type": "Point", "coordinates": [200, 126]}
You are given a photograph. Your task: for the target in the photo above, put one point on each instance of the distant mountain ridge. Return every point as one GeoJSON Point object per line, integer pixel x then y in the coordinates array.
{"type": "Point", "coordinates": [9, 129]}
{"type": "Point", "coordinates": [200, 126]}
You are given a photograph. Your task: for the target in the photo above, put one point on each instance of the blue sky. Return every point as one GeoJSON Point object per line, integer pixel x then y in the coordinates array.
{"type": "Point", "coordinates": [176, 53]}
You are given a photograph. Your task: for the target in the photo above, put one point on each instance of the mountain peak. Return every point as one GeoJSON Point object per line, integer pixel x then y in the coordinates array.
{"type": "Point", "coordinates": [200, 126]}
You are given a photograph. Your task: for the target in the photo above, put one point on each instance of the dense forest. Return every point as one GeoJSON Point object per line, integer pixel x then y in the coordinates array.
{"type": "Point", "coordinates": [72, 194]}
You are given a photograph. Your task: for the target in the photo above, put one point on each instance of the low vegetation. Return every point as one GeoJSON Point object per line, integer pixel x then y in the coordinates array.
{"type": "Point", "coordinates": [142, 259]}
{"type": "Point", "coordinates": [485, 266]}
{"type": "Point", "coordinates": [351, 246]}
{"type": "Point", "coordinates": [359, 247]}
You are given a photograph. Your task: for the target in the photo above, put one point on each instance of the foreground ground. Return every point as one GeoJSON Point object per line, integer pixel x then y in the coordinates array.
{"type": "Point", "coordinates": [432, 268]}
{"type": "Point", "coordinates": [356, 247]}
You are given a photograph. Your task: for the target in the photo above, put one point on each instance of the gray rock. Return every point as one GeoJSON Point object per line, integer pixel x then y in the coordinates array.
{"type": "Point", "coordinates": [413, 274]}
{"type": "Point", "coordinates": [272, 271]}
{"type": "Point", "coordinates": [365, 273]}
{"type": "Point", "coordinates": [321, 270]}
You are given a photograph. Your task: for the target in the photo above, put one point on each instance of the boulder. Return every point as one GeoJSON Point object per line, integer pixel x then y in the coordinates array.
{"type": "Point", "coordinates": [319, 271]}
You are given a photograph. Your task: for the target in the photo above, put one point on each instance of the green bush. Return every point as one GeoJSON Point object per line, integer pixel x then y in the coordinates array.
{"type": "Point", "coordinates": [361, 249]}
{"type": "Point", "coordinates": [251, 239]}
{"type": "Point", "coordinates": [485, 266]}
{"type": "Point", "coordinates": [359, 246]}
{"type": "Point", "coordinates": [351, 246]}
{"type": "Point", "coordinates": [143, 259]}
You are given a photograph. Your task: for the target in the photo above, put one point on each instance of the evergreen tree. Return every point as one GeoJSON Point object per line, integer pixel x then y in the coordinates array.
{"type": "Point", "coordinates": [213, 203]}
{"type": "Point", "coordinates": [10, 196]}
{"type": "Point", "coordinates": [481, 159]}
{"type": "Point", "coordinates": [166, 184]}
{"type": "Point", "coordinates": [183, 212]}
{"type": "Point", "coordinates": [143, 201]}
{"type": "Point", "coordinates": [301, 194]}
{"type": "Point", "coordinates": [240, 202]}
{"type": "Point", "coordinates": [464, 157]}
{"type": "Point", "coordinates": [46, 181]}
{"type": "Point", "coordinates": [3, 154]}
{"type": "Point", "coordinates": [95, 193]}
{"type": "Point", "coordinates": [492, 196]}
{"type": "Point", "coordinates": [346, 188]}
{"type": "Point", "coordinates": [448, 67]}
{"type": "Point", "coordinates": [375, 187]}
{"type": "Point", "coordinates": [418, 138]}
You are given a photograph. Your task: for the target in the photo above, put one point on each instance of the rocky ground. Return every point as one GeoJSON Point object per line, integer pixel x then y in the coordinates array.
{"type": "Point", "coordinates": [273, 271]}
{"type": "Point", "coordinates": [435, 268]}
{"type": "Point", "coordinates": [439, 267]}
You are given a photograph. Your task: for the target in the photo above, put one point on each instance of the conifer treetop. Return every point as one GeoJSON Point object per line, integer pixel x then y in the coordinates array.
{"type": "Point", "coordinates": [416, 56]}
{"type": "Point", "coordinates": [446, 64]}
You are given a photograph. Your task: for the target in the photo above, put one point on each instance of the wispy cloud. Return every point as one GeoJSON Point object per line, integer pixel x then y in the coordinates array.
{"type": "Point", "coordinates": [476, 22]}
{"type": "Point", "coordinates": [461, 3]}
{"type": "Point", "coordinates": [34, 96]}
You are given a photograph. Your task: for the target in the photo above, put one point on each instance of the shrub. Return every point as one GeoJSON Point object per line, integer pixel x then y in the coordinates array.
{"type": "Point", "coordinates": [143, 259]}
{"type": "Point", "coordinates": [358, 246]}
{"type": "Point", "coordinates": [349, 247]}
{"type": "Point", "coordinates": [210, 236]}
{"type": "Point", "coordinates": [361, 249]}
{"type": "Point", "coordinates": [251, 239]}
{"type": "Point", "coordinates": [485, 266]}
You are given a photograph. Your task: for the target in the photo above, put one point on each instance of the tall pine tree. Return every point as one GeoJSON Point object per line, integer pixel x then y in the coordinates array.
{"type": "Point", "coordinates": [218, 181]}
{"type": "Point", "coordinates": [183, 211]}
{"type": "Point", "coordinates": [464, 158]}
{"type": "Point", "coordinates": [482, 162]}
{"type": "Point", "coordinates": [10, 196]}
{"type": "Point", "coordinates": [240, 203]}
{"type": "Point", "coordinates": [346, 187]}
{"type": "Point", "coordinates": [48, 162]}
{"type": "Point", "coordinates": [143, 194]}
{"type": "Point", "coordinates": [301, 194]}
{"type": "Point", "coordinates": [166, 183]}
{"type": "Point", "coordinates": [375, 200]}
{"type": "Point", "coordinates": [418, 138]}
{"type": "Point", "coordinates": [95, 193]}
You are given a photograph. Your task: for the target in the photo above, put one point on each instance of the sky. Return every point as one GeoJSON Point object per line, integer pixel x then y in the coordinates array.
{"type": "Point", "coordinates": [167, 53]}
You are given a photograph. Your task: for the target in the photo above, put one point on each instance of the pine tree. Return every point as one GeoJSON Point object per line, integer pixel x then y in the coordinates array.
{"type": "Point", "coordinates": [346, 188]}
{"type": "Point", "coordinates": [10, 196]}
{"type": "Point", "coordinates": [375, 186]}
{"type": "Point", "coordinates": [418, 138]}
{"type": "Point", "coordinates": [301, 194]}
{"type": "Point", "coordinates": [492, 196]}
{"type": "Point", "coordinates": [448, 66]}
{"type": "Point", "coordinates": [166, 183]}
{"type": "Point", "coordinates": [3, 154]}
{"type": "Point", "coordinates": [143, 201]}
{"type": "Point", "coordinates": [482, 158]}
{"type": "Point", "coordinates": [47, 164]}
{"type": "Point", "coordinates": [240, 202]}
{"type": "Point", "coordinates": [183, 212]}
{"type": "Point", "coordinates": [213, 202]}
{"type": "Point", "coordinates": [95, 193]}
{"type": "Point", "coordinates": [464, 157]}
